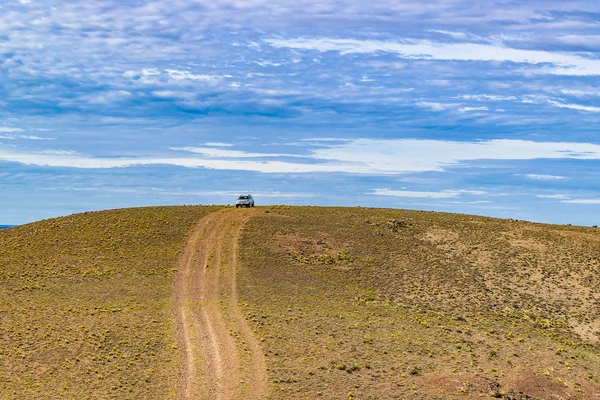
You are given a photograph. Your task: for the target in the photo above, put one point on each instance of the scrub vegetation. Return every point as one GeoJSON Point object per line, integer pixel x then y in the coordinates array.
{"type": "Point", "coordinates": [353, 303]}
{"type": "Point", "coordinates": [86, 306]}
{"type": "Point", "coordinates": [346, 303]}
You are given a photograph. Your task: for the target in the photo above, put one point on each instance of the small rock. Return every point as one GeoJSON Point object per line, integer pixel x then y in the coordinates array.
{"type": "Point", "coordinates": [513, 395]}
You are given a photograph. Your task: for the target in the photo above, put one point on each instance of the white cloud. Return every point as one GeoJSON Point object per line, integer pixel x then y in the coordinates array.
{"type": "Point", "coordinates": [486, 97]}
{"type": "Point", "coordinates": [88, 162]}
{"type": "Point", "coordinates": [469, 109]}
{"type": "Point", "coordinates": [222, 153]}
{"type": "Point", "coordinates": [23, 137]}
{"type": "Point", "coordinates": [564, 63]}
{"type": "Point", "coordinates": [580, 92]}
{"type": "Point", "coordinates": [58, 152]}
{"type": "Point", "coordinates": [107, 97]}
{"type": "Point", "coordinates": [218, 144]}
{"type": "Point", "coordinates": [264, 63]}
{"type": "Point", "coordinates": [531, 99]}
{"type": "Point", "coordinates": [7, 129]}
{"type": "Point", "coordinates": [469, 202]}
{"type": "Point", "coordinates": [149, 71]}
{"type": "Point", "coordinates": [544, 177]}
{"type": "Point", "coordinates": [435, 106]}
{"type": "Point", "coordinates": [178, 75]}
{"type": "Point", "coordinates": [229, 193]}
{"type": "Point", "coordinates": [276, 92]}
{"type": "Point", "coordinates": [359, 156]}
{"type": "Point", "coordinates": [444, 194]}
{"type": "Point", "coordinates": [29, 137]}
{"type": "Point", "coordinates": [574, 106]}
{"type": "Point", "coordinates": [173, 94]}
{"type": "Point", "coordinates": [554, 196]}
{"type": "Point", "coordinates": [412, 155]}
{"type": "Point", "coordinates": [582, 201]}
{"type": "Point", "coordinates": [456, 35]}
{"type": "Point", "coordinates": [568, 199]}
{"type": "Point", "coordinates": [283, 195]}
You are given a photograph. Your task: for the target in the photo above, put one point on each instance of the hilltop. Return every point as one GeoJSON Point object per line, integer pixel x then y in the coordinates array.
{"type": "Point", "coordinates": [342, 303]}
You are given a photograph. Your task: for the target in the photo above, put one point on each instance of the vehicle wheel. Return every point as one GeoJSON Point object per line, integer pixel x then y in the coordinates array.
{"type": "Point", "coordinates": [252, 204]}
{"type": "Point", "coordinates": [237, 205]}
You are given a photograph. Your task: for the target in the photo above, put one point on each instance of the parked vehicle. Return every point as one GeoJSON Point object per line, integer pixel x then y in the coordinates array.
{"type": "Point", "coordinates": [244, 200]}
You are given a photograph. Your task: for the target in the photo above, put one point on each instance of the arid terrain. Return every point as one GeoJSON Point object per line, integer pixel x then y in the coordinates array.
{"type": "Point", "coordinates": [86, 308]}
{"type": "Point", "coordinates": [298, 302]}
{"type": "Point", "coordinates": [384, 304]}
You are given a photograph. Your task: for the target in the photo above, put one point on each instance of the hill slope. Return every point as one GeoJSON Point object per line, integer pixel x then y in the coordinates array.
{"type": "Point", "coordinates": [345, 303]}
{"type": "Point", "coordinates": [374, 304]}
{"type": "Point", "coordinates": [86, 309]}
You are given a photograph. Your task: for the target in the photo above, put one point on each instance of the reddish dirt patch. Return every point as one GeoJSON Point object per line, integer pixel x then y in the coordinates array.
{"type": "Point", "coordinates": [515, 385]}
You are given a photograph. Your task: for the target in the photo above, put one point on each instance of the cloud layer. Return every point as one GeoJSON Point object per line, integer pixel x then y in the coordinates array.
{"type": "Point", "coordinates": [487, 107]}
{"type": "Point", "coordinates": [558, 63]}
{"type": "Point", "coordinates": [361, 156]}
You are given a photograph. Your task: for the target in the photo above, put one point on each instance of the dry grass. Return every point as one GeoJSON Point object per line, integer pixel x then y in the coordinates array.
{"type": "Point", "coordinates": [348, 303]}
{"type": "Point", "coordinates": [86, 310]}
{"type": "Point", "coordinates": [383, 304]}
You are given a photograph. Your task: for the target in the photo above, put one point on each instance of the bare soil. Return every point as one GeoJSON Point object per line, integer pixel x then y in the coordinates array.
{"type": "Point", "coordinates": [219, 356]}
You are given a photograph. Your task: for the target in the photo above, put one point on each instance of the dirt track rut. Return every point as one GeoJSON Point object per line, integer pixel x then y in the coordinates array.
{"type": "Point", "coordinates": [220, 357]}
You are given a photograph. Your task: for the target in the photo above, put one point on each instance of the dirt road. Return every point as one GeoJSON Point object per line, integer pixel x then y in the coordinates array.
{"type": "Point", "coordinates": [220, 358]}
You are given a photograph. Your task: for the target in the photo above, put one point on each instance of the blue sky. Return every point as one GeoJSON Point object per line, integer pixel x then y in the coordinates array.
{"type": "Point", "coordinates": [487, 108]}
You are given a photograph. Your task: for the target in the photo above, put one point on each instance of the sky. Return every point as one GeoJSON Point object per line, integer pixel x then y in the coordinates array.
{"type": "Point", "coordinates": [477, 107]}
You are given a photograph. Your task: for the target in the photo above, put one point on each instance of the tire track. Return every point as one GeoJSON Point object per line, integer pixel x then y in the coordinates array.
{"type": "Point", "coordinates": [208, 318]}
